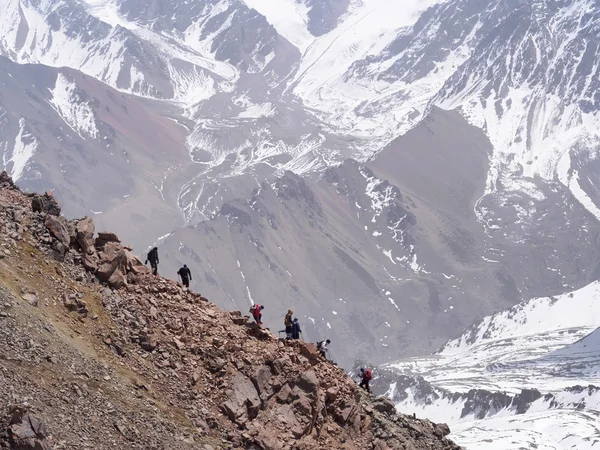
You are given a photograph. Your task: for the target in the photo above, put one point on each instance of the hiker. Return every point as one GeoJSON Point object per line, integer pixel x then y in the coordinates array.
{"type": "Point", "coordinates": [366, 376]}
{"type": "Point", "coordinates": [288, 324]}
{"type": "Point", "coordinates": [322, 347]}
{"type": "Point", "coordinates": [256, 312]}
{"type": "Point", "coordinates": [153, 258]}
{"type": "Point", "coordinates": [185, 275]}
{"type": "Point", "coordinates": [296, 331]}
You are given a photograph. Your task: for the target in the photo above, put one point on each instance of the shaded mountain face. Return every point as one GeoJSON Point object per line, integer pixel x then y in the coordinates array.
{"type": "Point", "coordinates": [89, 144]}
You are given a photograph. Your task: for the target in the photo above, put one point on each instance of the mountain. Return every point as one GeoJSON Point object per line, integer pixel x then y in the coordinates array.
{"type": "Point", "coordinates": [532, 368]}
{"type": "Point", "coordinates": [370, 253]}
{"type": "Point", "coordinates": [136, 361]}
{"type": "Point", "coordinates": [466, 151]}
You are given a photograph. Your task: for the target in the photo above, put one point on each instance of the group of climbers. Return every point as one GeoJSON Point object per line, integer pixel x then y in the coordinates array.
{"type": "Point", "coordinates": [292, 325]}
{"type": "Point", "coordinates": [184, 273]}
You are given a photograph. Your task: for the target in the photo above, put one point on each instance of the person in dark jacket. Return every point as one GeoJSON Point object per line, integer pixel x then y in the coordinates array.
{"type": "Point", "coordinates": [288, 324]}
{"type": "Point", "coordinates": [296, 331]}
{"type": "Point", "coordinates": [365, 378]}
{"type": "Point", "coordinates": [153, 258]}
{"type": "Point", "coordinates": [185, 275]}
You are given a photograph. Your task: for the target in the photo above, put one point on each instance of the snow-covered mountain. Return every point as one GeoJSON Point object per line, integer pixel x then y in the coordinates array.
{"type": "Point", "coordinates": [276, 87]}
{"type": "Point", "coordinates": [161, 114]}
{"type": "Point", "coordinates": [528, 377]}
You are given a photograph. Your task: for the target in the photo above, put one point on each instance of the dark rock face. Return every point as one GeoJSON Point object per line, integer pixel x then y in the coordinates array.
{"type": "Point", "coordinates": [46, 203]}
{"type": "Point", "coordinates": [27, 432]}
{"type": "Point", "coordinates": [324, 15]}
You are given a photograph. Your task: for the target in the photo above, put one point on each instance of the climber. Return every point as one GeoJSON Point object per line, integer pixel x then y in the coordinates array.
{"type": "Point", "coordinates": [185, 275]}
{"type": "Point", "coordinates": [153, 258]}
{"type": "Point", "coordinates": [296, 331]}
{"type": "Point", "coordinates": [365, 377]}
{"type": "Point", "coordinates": [288, 324]}
{"type": "Point", "coordinates": [256, 312]}
{"type": "Point", "coordinates": [322, 347]}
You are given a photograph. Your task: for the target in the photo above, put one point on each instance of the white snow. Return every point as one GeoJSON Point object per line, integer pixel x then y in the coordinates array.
{"type": "Point", "coordinates": [289, 18]}
{"type": "Point", "coordinates": [549, 344]}
{"type": "Point", "coordinates": [73, 108]}
{"type": "Point", "coordinates": [23, 150]}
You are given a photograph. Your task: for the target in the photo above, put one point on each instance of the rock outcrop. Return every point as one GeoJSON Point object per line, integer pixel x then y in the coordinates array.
{"type": "Point", "coordinates": [115, 357]}
{"type": "Point", "coordinates": [45, 203]}
{"type": "Point", "coordinates": [26, 431]}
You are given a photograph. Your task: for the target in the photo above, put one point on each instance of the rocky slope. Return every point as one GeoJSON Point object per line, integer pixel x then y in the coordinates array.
{"type": "Point", "coordinates": [141, 362]}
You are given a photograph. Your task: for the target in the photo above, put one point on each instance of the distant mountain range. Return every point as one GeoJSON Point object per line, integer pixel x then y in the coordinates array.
{"type": "Point", "coordinates": [392, 171]}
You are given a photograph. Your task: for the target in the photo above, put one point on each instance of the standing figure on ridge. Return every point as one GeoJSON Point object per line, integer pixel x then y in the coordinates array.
{"type": "Point", "coordinates": [296, 331]}
{"type": "Point", "coordinates": [185, 275]}
{"type": "Point", "coordinates": [153, 258]}
{"type": "Point", "coordinates": [322, 347]}
{"type": "Point", "coordinates": [256, 312]}
{"type": "Point", "coordinates": [288, 324]}
{"type": "Point", "coordinates": [365, 378]}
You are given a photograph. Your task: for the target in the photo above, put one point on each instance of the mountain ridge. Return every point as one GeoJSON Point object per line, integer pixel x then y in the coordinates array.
{"type": "Point", "coordinates": [138, 360]}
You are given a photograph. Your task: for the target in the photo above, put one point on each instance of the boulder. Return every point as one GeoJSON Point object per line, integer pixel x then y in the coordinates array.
{"type": "Point", "coordinates": [242, 402]}
{"type": "Point", "coordinates": [262, 381]}
{"type": "Point", "coordinates": [58, 228]}
{"type": "Point", "coordinates": [90, 262]}
{"type": "Point", "coordinates": [108, 236]}
{"type": "Point", "coordinates": [5, 180]}
{"type": "Point", "coordinates": [104, 237]}
{"type": "Point", "coordinates": [148, 342]}
{"type": "Point", "coordinates": [310, 352]}
{"type": "Point", "coordinates": [384, 405]}
{"type": "Point", "coordinates": [308, 382]}
{"type": "Point", "coordinates": [116, 263]}
{"type": "Point", "coordinates": [85, 231]}
{"type": "Point", "coordinates": [45, 204]}
{"type": "Point", "coordinates": [27, 432]}
{"type": "Point", "coordinates": [267, 440]}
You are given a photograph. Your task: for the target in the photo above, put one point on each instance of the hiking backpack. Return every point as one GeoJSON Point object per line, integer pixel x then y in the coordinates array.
{"type": "Point", "coordinates": [368, 375]}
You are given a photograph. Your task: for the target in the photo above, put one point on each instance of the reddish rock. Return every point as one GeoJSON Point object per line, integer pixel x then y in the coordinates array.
{"type": "Point", "coordinates": [27, 432]}
{"type": "Point", "coordinates": [85, 235]}
{"type": "Point", "coordinates": [58, 228]}
{"type": "Point", "coordinates": [242, 402]}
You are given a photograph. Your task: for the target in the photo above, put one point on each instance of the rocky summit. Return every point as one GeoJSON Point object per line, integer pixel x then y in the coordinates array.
{"type": "Point", "coordinates": [97, 353]}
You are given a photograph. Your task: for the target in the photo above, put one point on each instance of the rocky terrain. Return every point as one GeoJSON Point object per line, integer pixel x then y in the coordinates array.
{"type": "Point", "coordinates": [97, 353]}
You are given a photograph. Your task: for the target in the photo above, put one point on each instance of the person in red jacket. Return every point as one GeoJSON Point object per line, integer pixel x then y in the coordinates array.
{"type": "Point", "coordinates": [365, 378]}
{"type": "Point", "coordinates": [256, 312]}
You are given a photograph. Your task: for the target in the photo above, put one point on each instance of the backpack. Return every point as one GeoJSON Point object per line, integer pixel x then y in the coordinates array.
{"type": "Point", "coordinates": [368, 375]}
{"type": "Point", "coordinates": [319, 344]}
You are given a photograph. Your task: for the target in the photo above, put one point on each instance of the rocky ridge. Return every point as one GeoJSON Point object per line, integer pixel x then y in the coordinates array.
{"type": "Point", "coordinates": [95, 352]}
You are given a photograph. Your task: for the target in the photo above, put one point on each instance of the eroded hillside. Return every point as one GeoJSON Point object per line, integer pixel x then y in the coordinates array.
{"type": "Point", "coordinates": [140, 362]}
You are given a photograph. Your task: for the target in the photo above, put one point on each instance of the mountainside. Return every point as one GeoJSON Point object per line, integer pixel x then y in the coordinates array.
{"type": "Point", "coordinates": [532, 368]}
{"type": "Point", "coordinates": [140, 362]}
{"type": "Point", "coordinates": [386, 258]}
